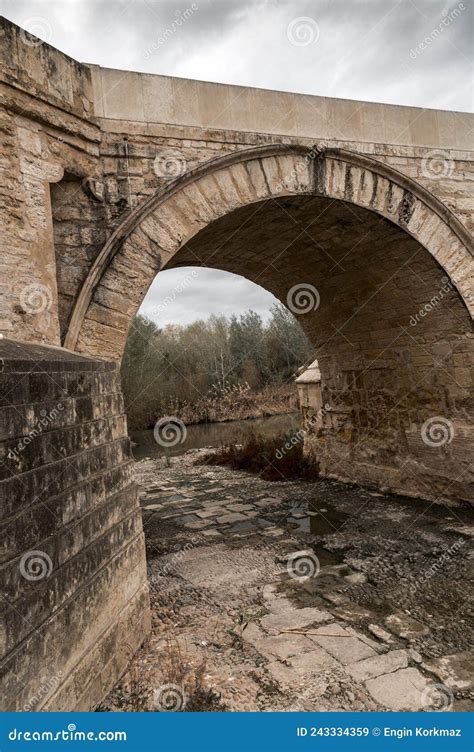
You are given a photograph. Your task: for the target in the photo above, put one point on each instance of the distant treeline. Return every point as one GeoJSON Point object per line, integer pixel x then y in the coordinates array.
{"type": "Point", "coordinates": [188, 371]}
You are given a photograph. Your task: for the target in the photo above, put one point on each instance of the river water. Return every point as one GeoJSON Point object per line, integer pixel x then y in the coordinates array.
{"type": "Point", "coordinates": [215, 434]}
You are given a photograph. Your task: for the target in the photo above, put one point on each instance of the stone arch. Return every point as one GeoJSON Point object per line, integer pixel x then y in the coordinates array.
{"type": "Point", "coordinates": [381, 251]}
{"type": "Point", "coordinates": [153, 233]}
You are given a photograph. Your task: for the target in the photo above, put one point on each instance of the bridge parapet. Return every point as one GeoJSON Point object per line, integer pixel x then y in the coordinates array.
{"type": "Point", "coordinates": [84, 146]}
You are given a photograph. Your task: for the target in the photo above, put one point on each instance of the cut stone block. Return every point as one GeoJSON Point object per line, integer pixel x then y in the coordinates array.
{"type": "Point", "coordinates": [198, 524]}
{"type": "Point", "coordinates": [307, 664]}
{"type": "Point", "coordinates": [368, 640]}
{"type": "Point", "coordinates": [278, 605]}
{"type": "Point", "coordinates": [380, 633]}
{"type": "Point", "coordinates": [341, 644]}
{"type": "Point", "coordinates": [253, 634]}
{"type": "Point", "coordinates": [294, 618]}
{"type": "Point", "coordinates": [211, 533]}
{"type": "Point", "coordinates": [351, 612]}
{"type": "Point", "coordinates": [229, 519]}
{"type": "Point", "coordinates": [242, 528]}
{"type": "Point", "coordinates": [400, 690]}
{"type": "Point", "coordinates": [405, 626]}
{"type": "Point", "coordinates": [312, 662]}
{"type": "Point", "coordinates": [382, 664]}
{"type": "Point", "coordinates": [273, 532]}
{"type": "Point", "coordinates": [210, 513]}
{"type": "Point", "coordinates": [456, 671]}
{"type": "Point", "coordinates": [284, 646]}
{"type": "Point", "coordinates": [239, 507]}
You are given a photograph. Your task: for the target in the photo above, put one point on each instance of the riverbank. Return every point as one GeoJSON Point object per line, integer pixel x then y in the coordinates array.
{"type": "Point", "coordinates": [233, 404]}
{"type": "Point", "coordinates": [371, 614]}
{"type": "Point", "coordinates": [215, 434]}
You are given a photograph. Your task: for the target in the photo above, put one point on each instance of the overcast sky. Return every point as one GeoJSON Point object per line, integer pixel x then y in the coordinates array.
{"type": "Point", "coordinates": [402, 52]}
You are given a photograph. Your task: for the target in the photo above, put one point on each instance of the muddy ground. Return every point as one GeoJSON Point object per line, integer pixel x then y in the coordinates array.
{"type": "Point", "coordinates": [299, 596]}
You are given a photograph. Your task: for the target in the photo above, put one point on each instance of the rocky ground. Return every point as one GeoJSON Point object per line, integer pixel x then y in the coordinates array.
{"type": "Point", "coordinates": [299, 596]}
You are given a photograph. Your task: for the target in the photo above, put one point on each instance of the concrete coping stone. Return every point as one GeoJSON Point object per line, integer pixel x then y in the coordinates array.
{"type": "Point", "coordinates": [27, 357]}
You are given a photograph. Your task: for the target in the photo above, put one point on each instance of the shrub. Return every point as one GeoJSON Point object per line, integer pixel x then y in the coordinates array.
{"type": "Point", "coordinates": [279, 458]}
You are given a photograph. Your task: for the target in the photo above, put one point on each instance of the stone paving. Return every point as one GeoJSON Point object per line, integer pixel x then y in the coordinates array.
{"type": "Point", "coordinates": [304, 596]}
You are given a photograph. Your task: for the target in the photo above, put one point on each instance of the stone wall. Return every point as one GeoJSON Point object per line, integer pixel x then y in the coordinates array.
{"type": "Point", "coordinates": [73, 558]}
{"type": "Point", "coordinates": [308, 385]}
{"type": "Point", "coordinates": [47, 132]}
{"type": "Point", "coordinates": [393, 338]}
{"type": "Point", "coordinates": [388, 288]}
{"type": "Point", "coordinates": [83, 146]}
{"type": "Point", "coordinates": [82, 151]}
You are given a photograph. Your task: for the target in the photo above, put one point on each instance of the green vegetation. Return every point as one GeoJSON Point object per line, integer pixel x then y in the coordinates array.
{"type": "Point", "coordinates": [219, 369]}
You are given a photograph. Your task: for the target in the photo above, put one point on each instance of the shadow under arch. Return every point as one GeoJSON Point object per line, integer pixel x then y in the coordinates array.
{"type": "Point", "coordinates": [389, 320]}
{"type": "Point", "coordinates": [165, 222]}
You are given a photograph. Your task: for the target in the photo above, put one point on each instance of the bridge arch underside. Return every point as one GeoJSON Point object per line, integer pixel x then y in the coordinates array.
{"type": "Point", "coordinates": [391, 332]}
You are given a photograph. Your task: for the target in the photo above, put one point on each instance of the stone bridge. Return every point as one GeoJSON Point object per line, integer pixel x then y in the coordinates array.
{"type": "Point", "coordinates": [358, 216]}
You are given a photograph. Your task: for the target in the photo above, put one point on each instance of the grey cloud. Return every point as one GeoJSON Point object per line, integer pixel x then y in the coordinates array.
{"type": "Point", "coordinates": [183, 295]}
{"type": "Point", "coordinates": [362, 50]}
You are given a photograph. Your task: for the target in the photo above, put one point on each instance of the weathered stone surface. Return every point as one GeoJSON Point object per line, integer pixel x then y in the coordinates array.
{"type": "Point", "coordinates": [382, 664]}
{"type": "Point", "coordinates": [393, 234]}
{"type": "Point", "coordinates": [231, 518]}
{"type": "Point", "coordinates": [284, 646]}
{"type": "Point", "coordinates": [455, 671]}
{"type": "Point", "coordinates": [79, 164]}
{"type": "Point", "coordinates": [351, 611]}
{"type": "Point", "coordinates": [74, 567]}
{"type": "Point", "coordinates": [296, 618]}
{"type": "Point", "coordinates": [312, 663]}
{"type": "Point", "coordinates": [341, 644]}
{"type": "Point", "coordinates": [405, 626]}
{"type": "Point", "coordinates": [241, 579]}
{"type": "Point", "coordinates": [400, 690]}
{"type": "Point", "coordinates": [279, 605]}
{"type": "Point", "coordinates": [380, 633]}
